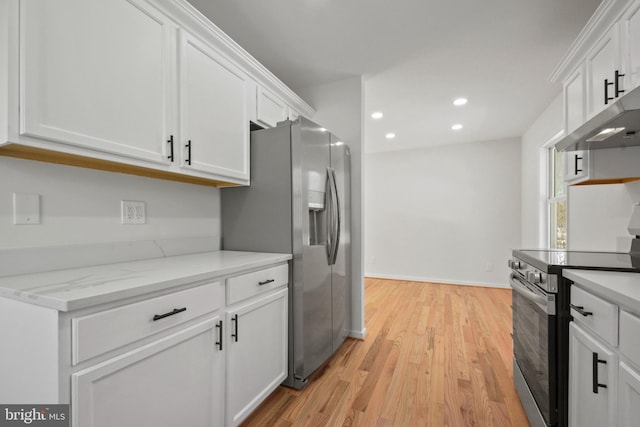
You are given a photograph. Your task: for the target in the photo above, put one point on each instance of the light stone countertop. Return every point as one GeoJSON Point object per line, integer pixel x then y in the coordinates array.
{"type": "Point", "coordinates": [620, 288]}
{"type": "Point", "coordinates": [76, 288]}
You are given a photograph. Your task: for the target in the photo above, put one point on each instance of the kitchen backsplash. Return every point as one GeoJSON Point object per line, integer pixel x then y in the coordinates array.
{"type": "Point", "coordinates": [598, 216]}
{"type": "Point", "coordinates": [81, 206]}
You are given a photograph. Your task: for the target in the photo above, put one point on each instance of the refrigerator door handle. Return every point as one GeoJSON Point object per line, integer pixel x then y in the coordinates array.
{"type": "Point", "coordinates": [336, 219]}
{"type": "Point", "coordinates": [328, 205]}
{"type": "Point", "coordinates": [333, 217]}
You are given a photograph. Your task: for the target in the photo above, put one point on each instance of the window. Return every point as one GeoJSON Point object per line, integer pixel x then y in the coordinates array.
{"type": "Point", "coordinates": [557, 201]}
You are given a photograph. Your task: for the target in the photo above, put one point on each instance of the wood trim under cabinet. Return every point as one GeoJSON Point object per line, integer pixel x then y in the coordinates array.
{"type": "Point", "coordinates": [50, 156]}
{"type": "Point", "coordinates": [609, 181]}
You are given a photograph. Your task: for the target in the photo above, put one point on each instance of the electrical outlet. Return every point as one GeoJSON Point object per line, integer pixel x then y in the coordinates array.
{"type": "Point", "coordinates": [133, 212]}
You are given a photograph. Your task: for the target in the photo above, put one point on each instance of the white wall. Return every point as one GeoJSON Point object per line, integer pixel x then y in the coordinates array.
{"type": "Point", "coordinates": [82, 206]}
{"type": "Point", "coordinates": [599, 216]}
{"type": "Point", "coordinates": [534, 169]}
{"type": "Point", "coordinates": [446, 214]}
{"type": "Point", "coordinates": [339, 108]}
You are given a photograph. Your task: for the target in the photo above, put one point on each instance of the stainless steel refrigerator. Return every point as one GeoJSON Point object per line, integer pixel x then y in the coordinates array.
{"type": "Point", "coordinates": [299, 203]}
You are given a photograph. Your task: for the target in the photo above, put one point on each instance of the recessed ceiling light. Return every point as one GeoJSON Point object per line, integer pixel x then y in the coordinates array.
{"type": "Point", "coordinates": [457, 126]}
{"type": "Point", "coordinates": [390, 135]}
{"type": "Point", "coordinates": [460, 101]}
{"type": "Point", "coordinates": [322, 129]}
{"type": "Point", "coordinates": [377, 115]}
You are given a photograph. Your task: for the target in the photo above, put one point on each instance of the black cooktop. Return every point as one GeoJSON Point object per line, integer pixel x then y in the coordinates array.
{"type": "Point", "coordinates": [553, 261]}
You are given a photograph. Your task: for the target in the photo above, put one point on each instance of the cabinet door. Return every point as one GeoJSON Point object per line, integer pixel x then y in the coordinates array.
{"type": "Point", "coordinates": [628, 396]}
{"type": "Point", "coordinates": [574, 100]}
{"type": "Point", "coordinates": [577, 165]}
{"type": "Point", "coordinates": [602, 62]}
{"type": "Point", "coordinates": [270, 108]}
{"type": "Point", "coordinates": [630, 42]}
{"type": "Point", "coordinates": [591, 363]}
{"type": "Point", "coordinates": [214, 112]}
{"type": "Point", "coordinates": [97, 75]}
{"type": "Point", "coordinates": [175, 381]}
{"type": "Point", "coordinates": [257, 339]}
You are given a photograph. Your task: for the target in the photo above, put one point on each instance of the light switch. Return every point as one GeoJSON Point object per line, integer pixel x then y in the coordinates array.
{"type": "Point", "coordinates": [26, 208]}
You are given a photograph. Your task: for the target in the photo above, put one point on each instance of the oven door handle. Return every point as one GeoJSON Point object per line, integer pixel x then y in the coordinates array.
{"type": "Point", "coordinates": [539, 300]}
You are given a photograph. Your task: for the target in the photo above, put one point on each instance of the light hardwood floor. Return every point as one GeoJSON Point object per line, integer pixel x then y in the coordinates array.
{"type": "Point", "coordinates": [435, 355]}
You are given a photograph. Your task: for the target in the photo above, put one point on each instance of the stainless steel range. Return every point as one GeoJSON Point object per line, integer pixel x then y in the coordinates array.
{"type": "Point", "coordinates": [541, 325]}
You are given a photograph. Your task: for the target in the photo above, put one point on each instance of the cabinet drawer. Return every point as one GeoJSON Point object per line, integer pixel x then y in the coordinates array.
{"type": "Point", "coordinates": [98, 333]}
{"type": "Point", "coordinates": [248, 285]}
{"type": "Point", "coordinates": [629, 337]}
{"type": "Point", "coordinates": [599, 315]}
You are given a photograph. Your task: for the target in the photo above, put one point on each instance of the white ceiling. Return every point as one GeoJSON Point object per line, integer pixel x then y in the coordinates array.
{"type": "Point", "coordinates": [416, 56]}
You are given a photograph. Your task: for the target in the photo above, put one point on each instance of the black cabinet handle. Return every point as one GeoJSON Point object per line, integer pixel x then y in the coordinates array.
{"type": "Point", "coordinates": [188, 160]}
{"type": "Point", "coordinates": [266, 282]}
{"type": "Point", "coordinates": [576, 158]}
{"type": "Point", "coordinates": [617, 84]}
{"type": "Point", "coordinates": [171, 313]}
{"type": "Point", "coordinates": [234, 335]}
{"type": "Point", "coordinates": [170, 142]}
{"type": "Point", "coordinates": [596, 384]}
{"type": "Point", "coordinates": [580, 309]}
{"type": "Point", "coordinates": [607, 98]}
{"type": "Point", "coordinates": [219, 328]}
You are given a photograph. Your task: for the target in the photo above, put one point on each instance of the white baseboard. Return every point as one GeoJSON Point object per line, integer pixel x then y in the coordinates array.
{"type": "Point", "coordinates": [358, 334]}
{"type": "Point", "coordinates": [432, 280]}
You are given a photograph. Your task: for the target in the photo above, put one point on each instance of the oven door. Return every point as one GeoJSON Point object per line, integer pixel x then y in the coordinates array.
{"type": "Point", "coordinates": [534, 344]}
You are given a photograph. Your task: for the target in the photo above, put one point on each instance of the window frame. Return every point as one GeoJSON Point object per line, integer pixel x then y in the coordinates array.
{"type": "Point", "coordinates": [554, 200]}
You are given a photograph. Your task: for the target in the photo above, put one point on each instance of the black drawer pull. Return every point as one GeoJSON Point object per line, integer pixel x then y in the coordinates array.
{"type": "Point", "coordinates": [580, 309]}
{"type": "Point", "coordinates": [170, 142]}
{"type": "Point", "coordinates": [266, 282]}
{"type": "Point", "coordinates": [607, 98]}
{"type": "Point", "coordinates": [188, 159]}
{"type": "Point", "coordinates": [596, 384]}
{"type": "Point", "coordinates": [219, 328]}
{"type": "Point", "coordinates": [171, 313]}
{"type": "Point", "coordinates": [617, 84]}
{"type": "Point", "coordinates": [234, 335]}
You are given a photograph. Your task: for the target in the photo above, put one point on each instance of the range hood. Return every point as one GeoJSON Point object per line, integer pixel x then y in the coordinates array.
{"type": "Point", "coordinates": [618, 125]}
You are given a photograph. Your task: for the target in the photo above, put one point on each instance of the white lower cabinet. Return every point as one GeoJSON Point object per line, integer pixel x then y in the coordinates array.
{"type": "Point", "coordinates": [204, 355]}
{"type": "Point", "coordinates": [604, 362]}
{"type": "Point", "coordinates": [628, 396]}
{"type": "Point", "coordinates": [592, 380]}
{"type": "Point", "coordinates": [257, 334]}
{"type": "Point", "coordinates": [177, 380]}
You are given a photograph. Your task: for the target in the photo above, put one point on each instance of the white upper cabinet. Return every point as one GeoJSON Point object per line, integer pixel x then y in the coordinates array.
{"type": "Point", "coordinates": [603, 67]}
{"type": "Point", "coordinates": [603, 64]}
{"type": "Point", "coordinates": [214, 112]}
{"type": "Point", "coordinates": [96, 74]}
{"type": "Point", "coordinates": [577, 166]}
{"type": "Point", "coordinates": [630, 38]}
{"type": "Point", "coordinates": [270, 109]}
{"type": "Point", "coordinates": [574, 106]}
{"type": "Point", "coordinates": [147, 87]}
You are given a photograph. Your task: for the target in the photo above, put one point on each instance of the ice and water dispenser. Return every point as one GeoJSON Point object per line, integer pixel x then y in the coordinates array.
{"type": "Point", "coordinates": [316, 205]}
